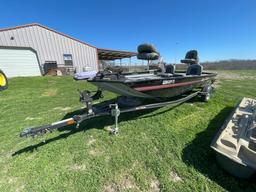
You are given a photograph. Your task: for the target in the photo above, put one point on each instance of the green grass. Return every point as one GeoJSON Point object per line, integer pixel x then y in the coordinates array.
{"type": "Point", "coordinates": [164, 149]}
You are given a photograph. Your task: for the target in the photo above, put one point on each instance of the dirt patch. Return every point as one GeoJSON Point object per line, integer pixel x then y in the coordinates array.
{"type": "Point", "coordinates": [50, 93]}
{"type": "Point", "coordinates": [216, 84]}
{"type": "Point", "coordinates": [77, 167]}
{"type": "Point", "coordinates": [32, 118]}
{"type": "Point", "coordinates": [95, 152]}
{"type": "Point", "coordinates": [11, 180]}
{"type": "Point", "coordinates": [234, 76]}
{"type": "Point", "coordinates": [108, 129]}
{"type": "Point", "coordinates": [29, 118]}
{"type": "Point", "coordinates": [135, 165]}
{"type": "Point", "coordinates": [229, 76]}
{"type": "Point", "coordinates": [110, 188]}
{"type": "Point", "coordinates": [51, 82]}
{"type": "Point", "coordinates": [175, 177]}
{"type": "Point", "coordinates": [107, 158]}
{"type": "Point", "coordinates": [62, 108]}
{"type": "Point", "coordinates": [154, 186]}
{"type": "Point", "coordinates": [5, 169]}
{"type": "Point", "coordinates": [91, 141]}
{"type": "Point", "coordinates": [126, 183]}
{"type": "Point", "coordinates": [6, 155]}
{"type": "Point", "coordinates": [13, 183]}
{"type": "Point", "coordinates": [20, 188]}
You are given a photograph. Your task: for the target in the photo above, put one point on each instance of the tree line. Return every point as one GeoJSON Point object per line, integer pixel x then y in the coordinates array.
{"type": "Point", "coordinates": [232, 64]}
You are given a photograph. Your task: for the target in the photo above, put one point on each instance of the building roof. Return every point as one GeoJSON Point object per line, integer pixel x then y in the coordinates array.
{"type": "Point", "coordinates": [103, 54]}
{"type": "Point", "coordinates": [109, 54]}
{"type": "Point", "coordinates": [39, 25]}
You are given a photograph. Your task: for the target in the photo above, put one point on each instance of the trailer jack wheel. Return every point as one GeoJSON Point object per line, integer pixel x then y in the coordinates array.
{"type": "Point", "coordinates": [115, 112]}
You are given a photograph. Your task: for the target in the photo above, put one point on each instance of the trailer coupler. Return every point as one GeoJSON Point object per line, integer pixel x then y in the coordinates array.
{"type": "Point", "coordinates": [46, 128]}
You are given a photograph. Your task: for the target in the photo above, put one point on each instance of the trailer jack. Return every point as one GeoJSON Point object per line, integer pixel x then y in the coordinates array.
{"type": "Point", "coordinates": [115, 112]}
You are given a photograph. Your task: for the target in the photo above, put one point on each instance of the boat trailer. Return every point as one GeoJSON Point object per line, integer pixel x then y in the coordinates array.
{"type": "Point", "coordinates": [106, 108]}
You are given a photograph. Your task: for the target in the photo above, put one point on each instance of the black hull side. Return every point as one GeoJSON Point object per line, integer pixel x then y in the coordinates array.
{"type": "Point", "coordinates": [175, 91]}
{"type": "Point", "coordinates": [156, 88]}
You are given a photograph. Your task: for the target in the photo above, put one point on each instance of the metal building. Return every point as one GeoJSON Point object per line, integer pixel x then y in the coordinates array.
{"type": "Point", "coordinates": [27, 50]}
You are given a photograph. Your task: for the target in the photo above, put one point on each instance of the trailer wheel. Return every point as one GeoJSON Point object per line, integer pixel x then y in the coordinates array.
{"type": "Point", "coordinates": [3, 81]}
{"type": "Point", "coordinates": [206, 93]}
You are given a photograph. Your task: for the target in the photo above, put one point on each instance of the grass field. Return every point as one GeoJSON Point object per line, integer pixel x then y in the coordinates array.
{"type": "Point", "coordinates": [158, 150]}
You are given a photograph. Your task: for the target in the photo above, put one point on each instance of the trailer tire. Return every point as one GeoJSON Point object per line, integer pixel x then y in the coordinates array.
{"type": "Point", "coordinates": [3, 81]}
{"type": "Point", "coordinates": [206, 93]}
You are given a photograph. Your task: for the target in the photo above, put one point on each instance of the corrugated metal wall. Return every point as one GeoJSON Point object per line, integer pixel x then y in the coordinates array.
{"type": "Point", "coordinates": [51, 46]}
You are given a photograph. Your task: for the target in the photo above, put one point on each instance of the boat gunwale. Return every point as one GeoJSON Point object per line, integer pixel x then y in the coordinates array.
{"type": "Point", "coordinates": [204, 75]}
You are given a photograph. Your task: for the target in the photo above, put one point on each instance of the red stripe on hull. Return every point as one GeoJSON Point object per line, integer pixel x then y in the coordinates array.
{"type": "Point", "coordinates": [157, 87]}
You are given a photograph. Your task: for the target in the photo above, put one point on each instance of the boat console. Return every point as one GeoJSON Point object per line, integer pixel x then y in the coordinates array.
{"type": "Point", "coordinates": [194, 69]}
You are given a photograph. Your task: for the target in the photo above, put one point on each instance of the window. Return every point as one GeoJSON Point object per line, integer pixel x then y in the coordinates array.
{"type": "Point", "coordinates": [68, 59]}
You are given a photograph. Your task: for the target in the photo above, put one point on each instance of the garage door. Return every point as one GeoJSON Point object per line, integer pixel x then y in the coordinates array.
{"type": "Point", "coordinates": [19, 62]}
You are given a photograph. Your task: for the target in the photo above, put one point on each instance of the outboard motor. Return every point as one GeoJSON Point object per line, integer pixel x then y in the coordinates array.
{"type": "Point", "coordinates": [3, 81]}
{"type": "Point", "coordinates": [192, 59]}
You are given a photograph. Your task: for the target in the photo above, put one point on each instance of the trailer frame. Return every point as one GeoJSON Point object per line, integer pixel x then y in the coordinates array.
{"type": "Point", "coordinates": [106, 108]}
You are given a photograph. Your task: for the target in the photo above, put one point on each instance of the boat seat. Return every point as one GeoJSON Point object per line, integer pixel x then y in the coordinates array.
{"type": "Point", "coordinates": [194, 69]}
{"type": "Point", "coordinates": [188, 61]}
{"type": "Point", "coordinates": [191, 57]}
{"type": "Point", "coordinates": [170, 69]}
